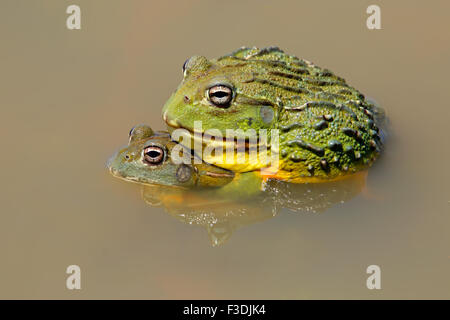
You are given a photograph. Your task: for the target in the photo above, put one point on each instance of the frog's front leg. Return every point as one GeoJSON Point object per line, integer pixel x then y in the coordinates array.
{"type": "Point", "coordinates": [243, 186]}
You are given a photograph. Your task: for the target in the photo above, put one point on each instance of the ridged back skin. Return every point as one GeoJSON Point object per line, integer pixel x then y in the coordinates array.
{"type": "Point", "coordinates": [327, 128]}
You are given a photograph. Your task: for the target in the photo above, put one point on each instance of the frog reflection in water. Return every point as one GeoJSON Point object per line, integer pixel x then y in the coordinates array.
{"type": "Point", "coordinates": [219, 200]}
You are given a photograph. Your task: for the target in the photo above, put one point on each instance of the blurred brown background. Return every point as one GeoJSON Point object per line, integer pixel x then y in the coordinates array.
{"type": "Point", "coordinates": [69, 97]}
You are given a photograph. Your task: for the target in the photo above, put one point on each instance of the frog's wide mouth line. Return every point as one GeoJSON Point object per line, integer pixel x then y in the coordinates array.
{"type": "Point", "coordinates": [244, 156]}
{"type": "Point", "coordinates": [115, 173]}
{"type": "Point", "coordinates": [205, 139]}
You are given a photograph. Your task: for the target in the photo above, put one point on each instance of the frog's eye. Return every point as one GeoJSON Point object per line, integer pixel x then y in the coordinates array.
{"type": "Point", "coordinates": [220, 95]}
{"type": "Point", "coordinates": [153, 155]}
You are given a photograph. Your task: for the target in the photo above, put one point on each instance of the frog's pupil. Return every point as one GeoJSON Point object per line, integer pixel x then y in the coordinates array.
{"type": "Point", "coordinates": [220, 94]}
{"type": "Point", "coordinates": [153, 154]}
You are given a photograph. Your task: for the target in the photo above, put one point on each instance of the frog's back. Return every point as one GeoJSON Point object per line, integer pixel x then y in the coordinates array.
{"type": "Point", "coordinates": [327, 128]}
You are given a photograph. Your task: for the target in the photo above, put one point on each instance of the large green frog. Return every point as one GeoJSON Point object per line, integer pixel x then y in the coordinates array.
{"type": "Point", "coordinates": [327, 129]}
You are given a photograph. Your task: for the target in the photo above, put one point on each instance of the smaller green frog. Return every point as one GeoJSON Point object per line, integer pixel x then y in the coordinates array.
{"type": "Point", "coordinates": [148, 160]}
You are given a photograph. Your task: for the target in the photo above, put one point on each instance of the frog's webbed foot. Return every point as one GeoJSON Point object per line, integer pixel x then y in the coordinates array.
{"type": "Point", "coordinates": [219, 233]}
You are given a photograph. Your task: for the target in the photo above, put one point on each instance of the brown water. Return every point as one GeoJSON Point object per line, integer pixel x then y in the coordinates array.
{"type": "Point", "coordinates": [69, 98]}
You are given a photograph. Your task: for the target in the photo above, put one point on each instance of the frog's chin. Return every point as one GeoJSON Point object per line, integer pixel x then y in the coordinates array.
{"type": "Point", "coordinates": [143, 182]}
{"type": "Point", "coordinates": [205, 147]}
{"type": "Point", "coordinates": [188, 136]}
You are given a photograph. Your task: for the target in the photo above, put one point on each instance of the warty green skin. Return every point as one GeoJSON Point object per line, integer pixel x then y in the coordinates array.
{"type": "Point", "coordinates": [327, 128]}
{"type": "Point", "coordinates": [128, 164]}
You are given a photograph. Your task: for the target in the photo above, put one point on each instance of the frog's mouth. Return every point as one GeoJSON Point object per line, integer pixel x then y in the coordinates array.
{"type": "Point", "coordinates": [191, 138]}
{"type": "Point", "coordinates": [246, 152]}
{"type": "Point", "coordinates": [117, 173]}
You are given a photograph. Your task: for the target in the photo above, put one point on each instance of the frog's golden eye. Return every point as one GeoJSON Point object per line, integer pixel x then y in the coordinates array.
{"type": "Point", "coordinates": [220, 95]}
{"type": "Point", "coordinates": [153, 155]}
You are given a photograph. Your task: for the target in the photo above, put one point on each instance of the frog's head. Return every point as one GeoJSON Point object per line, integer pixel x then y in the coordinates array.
{"type": "Point", "coordinates": [148, 159]}
{"type": "Point", "coordinates": [219, 93]}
